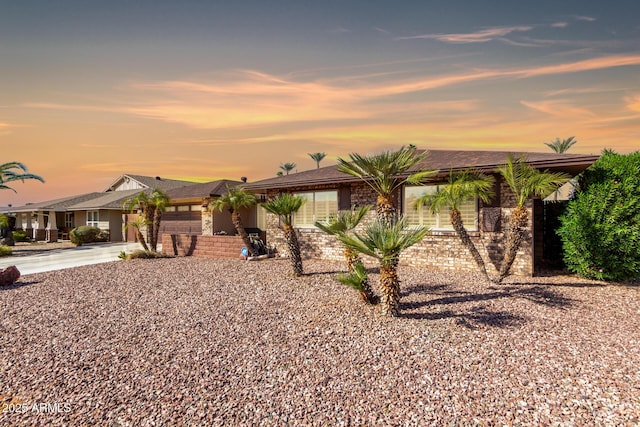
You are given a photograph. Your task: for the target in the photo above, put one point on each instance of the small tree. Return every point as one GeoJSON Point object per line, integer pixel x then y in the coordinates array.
{"type": "Point", "coordinates": [385, 241]}
{"type": "Point", "coordinates": [385, 173]}
{"type": "Point", "coordinates": [342, 224]}
{"type": "Point", "coordinates": [159, 201]}
{"type": "Point", "coordinates": [235, 199]}
{"type": "Point", "coordinates": [152, 206]}
{"type": "Point", "coordinates": [285, 205]}
{"type": "Point", "coordinates": [14, 171]}
{"type": "Point", "coordinates": [288, 167]}
{"type": "Point", "coordinates": [462, 186]}
{"type": "Point", "coordinates": [561, 146]}
{"type": "Point", "coordinates": [525, 182]}
{"type": "Point", "coordinates": [600, 229]}
{"type": "Point", "coordinates": [317, 157]}
{"type": "Point", "coordinates": [139, 224]}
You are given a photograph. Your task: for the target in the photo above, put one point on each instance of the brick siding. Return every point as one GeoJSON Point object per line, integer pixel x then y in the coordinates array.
{"type": "Point", "coordinates": [202, 246]}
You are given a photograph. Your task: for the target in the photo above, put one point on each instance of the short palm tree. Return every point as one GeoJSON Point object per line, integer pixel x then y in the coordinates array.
{"type": "Point", "coordinates": [15, 171]}
{"type": "Point", "coordinates": [159, 201]}
{"type": "Point", "coordinates": [344, 223]}
{"type": "Point", "coordinates": [561, 146]}
{"type": "Point", "coordinates": [462, 186]}
{"type": "Point", "coordinates": [235, 199]}
{"type": "Point", "coordinates": [288, 167]}
{"type": "Point", "coordinates": [285, 205]}
{"type": "Point", "coordinates": [525, 182]}
{"type": "Point", "coordinates": [385, 241]}
{"type": "Point", "coordinates": [317, 157]}
{"type": "Point", "coordinates": [385, 173]}
{"type": "Point", "coordinates": [139, 224]}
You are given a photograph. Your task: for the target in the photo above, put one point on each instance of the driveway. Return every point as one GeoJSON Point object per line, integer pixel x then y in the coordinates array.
{"type": "Point", "coordinates": [58, 259]}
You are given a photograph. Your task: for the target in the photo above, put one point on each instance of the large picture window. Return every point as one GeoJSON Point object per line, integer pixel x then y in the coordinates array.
{"type": "Point", "coordinates": [422, 216]}
{"type": "Point", "coordinates": [320, 205]}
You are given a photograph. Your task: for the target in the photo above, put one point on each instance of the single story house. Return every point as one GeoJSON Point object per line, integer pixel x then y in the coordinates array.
{"type": "Point", "coordinates": [327, 190]}
{"type": "Point", "coordinates": [54, 219]}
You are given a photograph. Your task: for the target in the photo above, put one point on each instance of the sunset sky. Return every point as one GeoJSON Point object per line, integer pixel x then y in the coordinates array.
{"type": "Point", "coordinates": [222, 89]}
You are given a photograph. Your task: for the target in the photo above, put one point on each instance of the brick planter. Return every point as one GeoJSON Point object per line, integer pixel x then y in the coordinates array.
{"type": "Point", "coordinates": [202, 246]}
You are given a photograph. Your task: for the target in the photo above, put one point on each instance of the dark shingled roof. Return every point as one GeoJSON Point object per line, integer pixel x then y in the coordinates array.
{"type": "Point", "coordinates": [155, 182]}
{"type": "Point", "coordinates": [59, 205]}
{"type": "Point", "coordinates": [441, 160]}
{"type": "Point", "coordinates": [206, 189]}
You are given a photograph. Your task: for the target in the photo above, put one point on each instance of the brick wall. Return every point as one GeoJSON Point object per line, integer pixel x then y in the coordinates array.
{"type": "Point", "coordinates": [202, 246]}
{"type": "Point", "coordinates": [442, 250]}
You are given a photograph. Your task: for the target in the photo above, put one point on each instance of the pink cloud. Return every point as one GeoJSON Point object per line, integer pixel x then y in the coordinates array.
{"type": "Point", "coordinates": [481, 36]}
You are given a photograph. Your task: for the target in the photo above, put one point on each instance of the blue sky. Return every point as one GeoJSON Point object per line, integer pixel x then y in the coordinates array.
{"type": "Point", "coordinates": [207, 90]}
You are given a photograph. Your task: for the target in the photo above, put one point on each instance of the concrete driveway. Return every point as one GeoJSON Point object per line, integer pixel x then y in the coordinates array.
{"type": "Point", "coordinates": [58, 259]}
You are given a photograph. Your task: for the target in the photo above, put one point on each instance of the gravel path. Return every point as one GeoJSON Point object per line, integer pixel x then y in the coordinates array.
{"type": "Point", "coordinates": [193, 342]}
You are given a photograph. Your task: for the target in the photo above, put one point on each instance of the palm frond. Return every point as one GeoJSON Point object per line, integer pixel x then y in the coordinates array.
{"type": "Point", "coordinates": [234, 199]}
{"type": "Point", "coordinates": [284, 205]}
{"type": "Point", "coordinates": [344, 221]}
{"type": "Point", "coordinates": [354, 279]}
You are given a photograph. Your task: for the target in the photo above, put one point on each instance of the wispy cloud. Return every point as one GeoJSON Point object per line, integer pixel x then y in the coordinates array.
{"type": "Point", "coordinates": [584, 18]}
{"type": "Point", "coordinates": [481, 36]}
{"type": "Point", "coordinates": [560, 108]}
{"type": "Point", "coordinates": [560, 24]}
{"type": "Point", "coordinates": [633, 103]}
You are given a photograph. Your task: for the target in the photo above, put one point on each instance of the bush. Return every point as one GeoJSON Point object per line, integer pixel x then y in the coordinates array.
{"type": "Point", "coordinates": [20, 236]}
{"type": "Point", "coordinates": [5, 250]}
{"type": "Point", "coordinates": [142, 254]}
{"type": "Point", "coordinates": [87, 234]}
{"type": "Point", "coordinates": [600, 231]}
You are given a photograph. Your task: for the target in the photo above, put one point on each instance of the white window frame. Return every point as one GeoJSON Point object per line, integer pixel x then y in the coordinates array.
{"type": "Point", "coordinates": [93, 218]}
{"type": "Point", "coordinates": [69, 219]}
{"type": "Point", "coordinates": [442, 220]}
{"type": "Point", "coordinates": [312, 202]}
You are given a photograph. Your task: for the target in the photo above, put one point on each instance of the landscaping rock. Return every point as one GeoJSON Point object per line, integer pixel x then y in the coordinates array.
{"type": "Point", "coordinates": [9, 275]}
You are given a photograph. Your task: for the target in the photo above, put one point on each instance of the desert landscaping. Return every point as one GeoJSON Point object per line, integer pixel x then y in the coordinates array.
{"type": "Point", "coordinates": [192, 341]}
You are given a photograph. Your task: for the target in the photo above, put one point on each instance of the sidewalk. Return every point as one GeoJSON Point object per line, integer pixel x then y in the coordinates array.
{"type": "Point", "coordinates": [57, 259]}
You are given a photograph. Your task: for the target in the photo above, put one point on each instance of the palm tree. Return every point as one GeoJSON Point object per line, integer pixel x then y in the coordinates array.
{"type": "Point", "coordinates": [288, 167]}
{"type": "Point", "coordinates": [139, 224]}
{"type": "Point", "coordinates": [385, 173]}
{"type": "Point", "coordinates": [159, 201]}
{"type": "Point", "coordinates": [462, 186]}
{"type": "Point", "coordinates": [8, 174]}
{"type": "Point", "coordinates": [317, 157]}
{"type": "Point", "coordinates": [279, 173]}
{"type": "Point", "coordinates": [385, 241]}
{"type": "Point", "coordinates": [151, 205]}
{"type": "Point", "coordinates": [285, 205]}
{"type": "Point", "coordinates": [525, 181]}
{"type": "Point", "coordinates": [344, 223]}
{"type": "Point", "coordinates": [233, 200]}
{"type": "Point", "coordinates": [561, 146]}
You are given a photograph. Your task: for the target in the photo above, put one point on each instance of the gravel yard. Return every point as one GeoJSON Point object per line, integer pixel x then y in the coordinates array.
{"type": "Point", "coordinates": [190, 341]}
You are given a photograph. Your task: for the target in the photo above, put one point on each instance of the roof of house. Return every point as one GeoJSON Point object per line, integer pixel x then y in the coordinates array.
{"type": "Point", "coordinates": [441, 160]}
{"type": "Point", "coordinates": [206, 189]}
{"type": "Point", "coordinates": [152, 182]}
{"type": "Point", "coordinates": [109, 200]}
{"type": "Point", "coordinates": [59, 205]}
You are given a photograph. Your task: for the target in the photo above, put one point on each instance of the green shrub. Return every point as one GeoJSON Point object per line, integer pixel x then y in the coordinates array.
{"type": "Point", "coordinates": [87, 234]}
{"type": "Point", "coordinates": [142, 254]}
{"type": "Point", "coordinates": [600, 230]}
{"type": "Point", "coordinates": [5, 250]}
{"type": "Point", "coordinates": [20, 236]}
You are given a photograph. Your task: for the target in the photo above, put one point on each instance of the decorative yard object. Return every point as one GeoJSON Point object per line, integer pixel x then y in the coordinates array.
{"type": "Point", "coordinates": [9, 276]}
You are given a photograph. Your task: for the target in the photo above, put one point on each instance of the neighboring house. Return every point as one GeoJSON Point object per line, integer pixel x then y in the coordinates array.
{"type": "Point", "coordinates": [53, 219]}
{"type": "Point", "coordinates": [327, 190]}
{"type": "Point", "coordinates": [189, 212]}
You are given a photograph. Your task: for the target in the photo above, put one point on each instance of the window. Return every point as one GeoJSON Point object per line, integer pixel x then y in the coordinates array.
{"type": "Point", "coordinates": [320, 205]}
{"type": "Point", "coordinates": [440, 221]}
{"type": "Point", "coordinates": [261, 218]}
{"type": "Point", "coordinates": [68, 219]}
{"type": "Point", "coordinates": [93, 218]}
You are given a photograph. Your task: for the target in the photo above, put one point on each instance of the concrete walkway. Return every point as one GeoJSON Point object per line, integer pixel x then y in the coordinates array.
{"type": "Point", "coordinates": [58, 259]}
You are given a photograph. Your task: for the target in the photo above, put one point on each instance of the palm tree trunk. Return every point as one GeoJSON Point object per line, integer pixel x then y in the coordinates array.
{"type": "Point", "coordinates": [386, 208]}
{"type": "Point", "coordinates": [237, 223]}
{"type": "Point", "coordinates": [390, 288]}
{"type": "Point", "coordinates": [294, 249]}
{"type": "Point", "coordinates": [515, 236]}
{"type": "Point", "coordinates": [141, 239]}
{"type": "Point", "coordinates": [149, 214]}
{"type": "Point", "coordinates": [155, 230]}
{"type": "Point", "coordinates": [458, 226]}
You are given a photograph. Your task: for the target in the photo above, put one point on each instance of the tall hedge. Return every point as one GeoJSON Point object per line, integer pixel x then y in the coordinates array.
{"type": "Point", "coordinates": [600, 230]}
